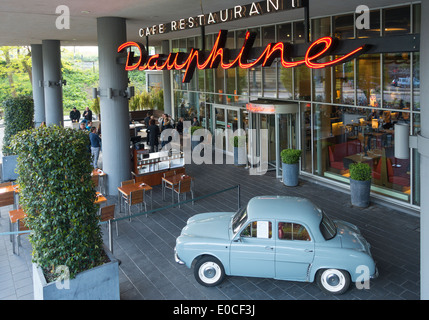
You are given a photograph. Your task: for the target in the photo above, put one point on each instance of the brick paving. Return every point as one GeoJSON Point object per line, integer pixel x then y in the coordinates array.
{"type": "Point", "coordinates": [145, 246]}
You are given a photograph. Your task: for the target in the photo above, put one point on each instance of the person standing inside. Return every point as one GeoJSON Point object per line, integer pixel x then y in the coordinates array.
{"type": "Point", "coordinates": [95, 146]}
{"type": "Point", "coordinates": [74, 115]}
{"type": "Point", "coordinates": [152, 135]}
{"type": "Point", "coordinates": [87, 114]}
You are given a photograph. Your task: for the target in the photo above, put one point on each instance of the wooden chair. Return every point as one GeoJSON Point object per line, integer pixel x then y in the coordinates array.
{"type": "Point", "coordinates": [167, 174]}
{"type": "Point", "coordinates": [185, 185]}
{"type": "Point", "coordinates": [5, 184]}
{"type": "Point", "coordinates": [136, 197]}
{"type": "Point", "coordinates": [107, 213]}
{"type": "Point", "coordinates": [7, 199]}
{"type": "Point", "coordinates": [95, 179]}
{"type": "Point", "coordinates": [132, 181]}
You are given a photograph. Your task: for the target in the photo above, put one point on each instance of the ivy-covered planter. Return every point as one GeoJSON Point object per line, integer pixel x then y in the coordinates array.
{"type": "Point", "coordinates": [99, 283]}
{"type": "Point", "coordinates": [18, 116]}
{"type": "Point", "coordinates": [58, 196]}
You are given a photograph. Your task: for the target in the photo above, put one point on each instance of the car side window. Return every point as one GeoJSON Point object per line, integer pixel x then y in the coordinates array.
{"type": "Point", "coordinates": [258, 229]}
{"type": "Point", "coordinates": [293, 231]}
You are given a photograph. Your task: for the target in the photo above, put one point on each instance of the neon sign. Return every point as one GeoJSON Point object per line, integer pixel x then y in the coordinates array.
{"type": "Point", "coordinates": [219, 55]}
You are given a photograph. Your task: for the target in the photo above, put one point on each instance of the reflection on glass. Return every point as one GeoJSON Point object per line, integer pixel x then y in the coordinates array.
{"type": "Point", "coordinates": [368, 86]}
{"type": "Point", "coordinates": [298, 32]}
{"type": "Point", "coordinates": [397, 81]}
{"type": "Point", "coordinates": [374, 26]}
{"type": "Point", "coordinates": [284, 32]}
{"type": "Point", "coordinates": [344, 83]}
{"type": "Point", "coordinates": [417, 17]}
{"type": "Point", "coordinates": [416, 163]}
{"type": "Point", "coordinates": [322, 83]}
{"type": "Point", "coordinates": [397, 20]}
{"type": "Point", "coordinates": [416, 81]}
{"type": "Point", "coordinates": [302, 84]}
{"type": "Point", "coordinates": [285, 82]}
{"type": "Point", "coordinates": [320, 28]}
{"type": "Point", "coordinates": [268, 35]}
{"type": "Point", "coordinates": [242, 82]}
{"type": "Point", "coordinates": [270, 81]}
{"type": "Point", "coordinates": [255, 81]}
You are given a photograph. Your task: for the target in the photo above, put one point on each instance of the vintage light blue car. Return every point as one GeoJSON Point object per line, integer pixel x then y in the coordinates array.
{"type": "Point", "coordinates": [280, 237]}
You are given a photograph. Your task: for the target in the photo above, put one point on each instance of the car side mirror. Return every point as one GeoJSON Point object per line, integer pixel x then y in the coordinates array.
{"type": "Point", "coordinates": [237, 239]}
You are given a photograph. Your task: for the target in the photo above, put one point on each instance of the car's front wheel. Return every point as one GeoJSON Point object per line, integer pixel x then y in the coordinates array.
{"type": "Point", "coordinates": [209, 271]}
{"type": "Point", "coordinates": [333, 281]}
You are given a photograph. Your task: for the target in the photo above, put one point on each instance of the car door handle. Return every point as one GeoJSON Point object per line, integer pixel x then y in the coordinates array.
{"type": "Point", "coordinates": [269, 248]}
{"type": "Point", "coordinates": [308, 250]}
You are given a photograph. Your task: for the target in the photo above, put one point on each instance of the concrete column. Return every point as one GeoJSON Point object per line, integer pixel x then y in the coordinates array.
{"type": "Point", "coordinates": [38, 90]}
{"type": "Point", "coordinates": [113, 80]}
{"type": "Point", "coordinates": [423, 148]}
{"type": "Point", "coordinates": [52, 82]}
{"type": "Point", "coordinates": [168, 108]}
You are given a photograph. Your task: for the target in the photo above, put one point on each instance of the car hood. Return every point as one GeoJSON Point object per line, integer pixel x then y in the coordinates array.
{"type": "Point", "coordinates": [209, 225]}
{"type": "Point", "coordinates": [351, 237]}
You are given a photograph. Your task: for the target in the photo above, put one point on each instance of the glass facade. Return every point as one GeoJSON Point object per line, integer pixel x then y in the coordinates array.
{"type": "Point", "coordinates": [347, 112]}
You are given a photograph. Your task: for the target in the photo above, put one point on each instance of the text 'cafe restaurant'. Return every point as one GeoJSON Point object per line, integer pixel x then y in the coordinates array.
{"type": "Point", "coordinates": [342, 88]}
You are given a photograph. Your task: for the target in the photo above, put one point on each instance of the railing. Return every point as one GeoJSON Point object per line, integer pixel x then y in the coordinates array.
{"type": "Point", "coordinates": [109, 222]}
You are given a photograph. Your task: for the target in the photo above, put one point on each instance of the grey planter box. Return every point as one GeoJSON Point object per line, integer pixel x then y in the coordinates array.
{"type": "Point", "coordinates": [290, 174]}
{"type": "Point", "coordinates": [99, 283]}
{"type": "Point", "coordinates": [8, 168]}
{"type": "Point", "coordinates": [360, 192]}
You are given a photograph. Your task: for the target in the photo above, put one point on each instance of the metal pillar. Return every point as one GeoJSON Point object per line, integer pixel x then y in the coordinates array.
{"type": "Point", "coordinates": [166, 82]}
{"type": "Point", "coordinates": [423, 148]}
{"type": "Point", "coordinates": [52, 83]}
{"type": "Point", "coordinates": [38, 90]}
{"type": "Point", "coordinates": [111, 32]}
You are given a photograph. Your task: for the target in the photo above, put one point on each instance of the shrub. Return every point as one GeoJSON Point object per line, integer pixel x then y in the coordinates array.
{"type": "Point", "coordinates": [290, 156]}
{"type": "Point", "coordinates": [360, 171]}
{"type": "Point", "coordinates": [194, 128]}
{"type": "Point", "coordinates": [57, 194]}
{"type": "Point", "coordinates": [18, 116]}
{"type": "Point", "coordinates": [239, 141]}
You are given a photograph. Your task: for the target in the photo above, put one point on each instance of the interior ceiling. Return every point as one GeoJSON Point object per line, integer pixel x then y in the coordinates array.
{"type": "Point", "coordinates": [24, 22]}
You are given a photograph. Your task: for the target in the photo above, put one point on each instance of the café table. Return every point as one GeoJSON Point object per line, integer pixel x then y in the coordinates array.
{"type": "Point", "coordinates": [172, 181]}
{"type": "Point", "coordinates": [15, 190]}
{"type": "Point", "coordinates": [128, 188]}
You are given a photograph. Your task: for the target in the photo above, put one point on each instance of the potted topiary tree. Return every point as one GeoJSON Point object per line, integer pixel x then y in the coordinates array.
{"type": "Point", "coordinates": [360, 184]}
{"type": "Point", "coordinates": [18, 116]}
{"type": "Point", "coordinates": [57, 194]}
{"type": "Point", "coordinates": [290, 166]}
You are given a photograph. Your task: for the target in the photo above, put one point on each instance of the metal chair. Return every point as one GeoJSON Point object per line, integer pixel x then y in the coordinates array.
{"type": "Point", "coordinates": [185, 185]}
{"type": "Point", "coordinates": [107, 213]}
{"type": "Point", "coordinates": [165, 185]}
{"type": "Point", "coordinates": [136, 197]}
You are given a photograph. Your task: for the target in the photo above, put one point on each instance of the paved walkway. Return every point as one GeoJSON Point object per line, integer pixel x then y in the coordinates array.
{"type": "Point", "coordinates": [145, 246]}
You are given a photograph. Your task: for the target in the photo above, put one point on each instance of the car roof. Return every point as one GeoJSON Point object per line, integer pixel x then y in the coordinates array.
{"type": "Point", "coordinates": [286, 208]}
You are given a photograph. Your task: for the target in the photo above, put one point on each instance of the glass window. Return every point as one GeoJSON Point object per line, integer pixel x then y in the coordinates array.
{"type": "Point", "coordinates": [416, 82]}
{"type": "Point", "coordinates": [302, 82]}
{"type": "Point", "coordinates": [344, 26]}
{"type": "Point", "coordinates": [293, 231]}
{"type": "Point", "coordinates": [270, 80]}
{"type": "Point", "coordinates": [239, 219]}
{"type": "Point", "coordinates": [397, 81]}
{"type": "Point", "coordinates": [320, 28]}
{"type": "Point", "coordinates": [284, 32]}
{"type": "Point", "coordinates": [298, 32]}
{"type": "Point", "coordinates": [369, 79]}
{"type": "Point", "coordinates": [258, 229]}
{"type": "Point", "coordinates": [397, 20]}
{"type": "Point", "coordinates": [268, 35]}
{"type": "Point", "coordinates": [344, 83]}
{"type": "Point", "coordinates": [417, 20]}
{"type": "Point", "coordinates": [327, 227]}
{"type": "Point", "coordinates": [322, 83]}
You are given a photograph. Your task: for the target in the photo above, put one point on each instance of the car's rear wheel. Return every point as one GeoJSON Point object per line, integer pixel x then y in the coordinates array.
{"type": "Point", "coordinates": [209, 271]}
{"type": "Point", "coordinates": [333, 281]}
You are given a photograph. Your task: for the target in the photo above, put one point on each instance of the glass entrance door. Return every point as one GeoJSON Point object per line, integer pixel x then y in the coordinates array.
{"type": "Point", "coordinates": [228, 119]}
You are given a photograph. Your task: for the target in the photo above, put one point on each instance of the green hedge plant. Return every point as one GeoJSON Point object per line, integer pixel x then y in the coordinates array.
{"type": "Point", "coordinates": [18, 116]}
{"type": "Point", "coordinates": [57, 194]}
{"type": "Point", "coordinates": [290, 156]}
{"type": "Point", "coordinates": [360, 171]}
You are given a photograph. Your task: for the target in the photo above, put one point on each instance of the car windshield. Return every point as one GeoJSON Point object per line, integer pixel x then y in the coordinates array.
{"type": "Point", "coordinates": [239, 218]}
{"type": "Point", "coordinates": [327, 227]}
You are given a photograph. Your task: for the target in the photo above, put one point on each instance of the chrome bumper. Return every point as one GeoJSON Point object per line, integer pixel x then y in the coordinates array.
{"type": "Point", "coordinates": [176, 257]}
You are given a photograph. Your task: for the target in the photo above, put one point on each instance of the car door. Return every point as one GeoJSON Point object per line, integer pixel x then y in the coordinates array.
{"type": "Point", "coordinates": [252, 251]}
{"type": "Point", "coordinates": [294, 251]}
